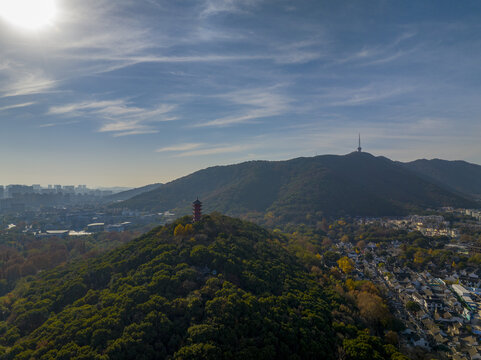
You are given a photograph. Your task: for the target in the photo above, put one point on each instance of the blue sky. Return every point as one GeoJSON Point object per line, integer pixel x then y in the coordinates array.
{"type": "Point", "coordinates": [141, 91]}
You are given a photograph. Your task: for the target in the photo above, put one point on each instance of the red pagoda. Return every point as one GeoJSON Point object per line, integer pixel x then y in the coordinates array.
{"type": "Point", "coordinates": [197, 210]}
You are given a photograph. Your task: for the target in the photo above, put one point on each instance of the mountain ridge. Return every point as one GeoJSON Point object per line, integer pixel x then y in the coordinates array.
{"type": "Point", "coordinates": [458, 175]}
{"type": "Point", "coordinates": [357, 184]}
{"type": "Point", "coordinates": [127, 194]}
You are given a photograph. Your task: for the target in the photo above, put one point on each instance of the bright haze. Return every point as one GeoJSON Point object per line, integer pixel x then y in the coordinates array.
{"type": "Point", "coordinates": [131, 92]}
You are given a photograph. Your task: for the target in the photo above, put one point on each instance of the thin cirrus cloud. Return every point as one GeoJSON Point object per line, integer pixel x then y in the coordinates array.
{"type": "Point", "coordinates": [17, 106]}
{"type": "Point", "coordinates": [255, 103]}
{"type": "Point", "coordinates": [48, 125]}
{"type": "Point", "coordinates": [380, 53]}
{"type": "Point", "coordinates": [359, 96]}
{"type": "Point", "coordinates": [180, 147]}
{"type": "Point", "coordinates": [216, 150]}
{"type": "Point", "coordinates": [29, 84]}
{"type": "Point", "coordinates": [214, 7]}
{"type": "Point", "coordinates": [203, 149]}
{"type": "Point", "coordinates": [137, 131]}
{"type": "Point", "coordinates": [119, 117]}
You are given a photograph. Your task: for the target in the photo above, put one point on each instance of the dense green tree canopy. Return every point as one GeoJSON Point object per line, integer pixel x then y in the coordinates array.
{"type": "Point", "coordinates": [220, 289]}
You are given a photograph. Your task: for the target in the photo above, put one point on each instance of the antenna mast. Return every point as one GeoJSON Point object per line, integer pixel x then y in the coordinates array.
{"type": "Point", "coordinates": [359, 147]}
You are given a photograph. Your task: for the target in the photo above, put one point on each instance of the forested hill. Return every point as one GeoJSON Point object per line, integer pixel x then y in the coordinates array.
{"type": "Point", "coordinates": [218, 289]}
{"type": "Point", "coordinates": [458, 175]}
{"type": "Point", "coordinates": [353, 184]}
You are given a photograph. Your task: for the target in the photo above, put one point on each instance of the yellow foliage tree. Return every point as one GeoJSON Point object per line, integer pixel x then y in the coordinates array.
{"type": "Point", "coordinates": [179, 230]}
{"type": "Point", "coordinates": [345, 264]}
{"type": "Point", "coordinates": [188, 229]}
{"type": "Point", "coordinates": [372, 308]}
{"type": "Point", "coordinates": [418, 257]}
{"type": "Point", "coordinates": [350, 284]}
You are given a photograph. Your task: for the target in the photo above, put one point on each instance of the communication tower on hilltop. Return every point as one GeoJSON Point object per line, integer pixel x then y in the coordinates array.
{"type": "Point", "coordinates": [359, 146]}
{"type": "Point", "coordinates": [197, 210]}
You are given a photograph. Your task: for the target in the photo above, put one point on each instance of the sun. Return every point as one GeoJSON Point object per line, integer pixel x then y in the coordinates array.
{"type": "Point", "coordinates": [28, 14]}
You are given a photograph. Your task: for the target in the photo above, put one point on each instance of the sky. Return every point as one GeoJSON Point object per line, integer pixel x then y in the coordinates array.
{"type": "Point", "coordinates": [133, 92]}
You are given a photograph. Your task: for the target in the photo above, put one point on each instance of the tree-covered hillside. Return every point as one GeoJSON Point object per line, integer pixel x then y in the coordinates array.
{"type": "Point", "coordinates": [221, 288]}
{"type": "Point", "coordinates": [457, 175]}
{"type": "Point", "coordinates": [329, 185]}
{"type": "Point", "coordinates": [218, 289]}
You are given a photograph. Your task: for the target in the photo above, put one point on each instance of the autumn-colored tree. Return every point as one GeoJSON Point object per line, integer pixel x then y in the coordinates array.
{"type": "Point", "coordinates": [372, 308]}
{"type": "Point", "coordinates": [179, 230]}
{"type": "Point", "coordinates": [361, 244]}
{"type": "Point", "coordinates": [369, 287]}
{"type": "Point", "coordinates": [345, 264]}
{"type": "Point", "coordinates": [188, 229]}
{"type": "Point", "coordinates": [350, 284]}
{"type": "Point", "coordinates": [419, 257]}
{"type": "Point", "coordinates": [326, 242]}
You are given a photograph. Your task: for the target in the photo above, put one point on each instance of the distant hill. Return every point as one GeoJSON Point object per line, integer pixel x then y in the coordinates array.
{"type": "Point", "coordinates": [221, 289]}
{"type": "Point", "coordinates": [125, 195]}
{"type": "Point", "coordinates": [460, 176]}
{"type": "Point", "coordinates": [353, 184]}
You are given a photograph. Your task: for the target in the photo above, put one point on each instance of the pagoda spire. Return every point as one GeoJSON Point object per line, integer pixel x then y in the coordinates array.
{"type": "Point", "coordinates": [196, 210]}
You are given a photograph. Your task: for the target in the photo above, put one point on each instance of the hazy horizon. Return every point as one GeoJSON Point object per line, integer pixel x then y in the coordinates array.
{"type": "Point", "coordinates": [130, 93]}
{"type": "Point", "coordinates": [153, 181]}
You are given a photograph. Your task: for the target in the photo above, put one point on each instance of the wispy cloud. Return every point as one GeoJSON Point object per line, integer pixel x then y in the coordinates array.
{"type": "Point", "coordinates": [203, 149]}
{"type": "Point", "coordinates": [119, 116]}
{"type": "Point", "coordinates": [362, 95]}
{"type": "Point", "coordinates": [127, 128]}
{"type": "Point", "coordinates": [205, 58]}
{"type": "Point", "coordinates": [213, 7]}
{"type": "Point", "coordinates": [380, 54]}
{"type": "Point", "coordinates": [113, 109]}
{"type": "Point", "coordinates": [297, 57]}
{"type": "Point", "coordinates": [257, 104]}
{"type": "Point", "coordinates": [121, 126]}
{"type": "Point", "coordinates": [28, 84]}
{"type": "Point", "coordinates": [180, 147]}
{"type": "Point", "coordinates": [73, 109]}
{"type": "Point", "coordinates": [16, 106]}
{"type": "Point", "coordinates": [4, 65]}
{"type": "Point", "coordinates": [299, 52]}
{"type": "Point", "coordinates": [135, 132]}
{"type": "Point", "coordinates": [219, 149]}
{"type": "Point", "coordinates": [47, 125]}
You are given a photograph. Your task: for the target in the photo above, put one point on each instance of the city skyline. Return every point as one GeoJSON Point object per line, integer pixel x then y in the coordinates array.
{"type": "Point", "coordinates": [130, 93]}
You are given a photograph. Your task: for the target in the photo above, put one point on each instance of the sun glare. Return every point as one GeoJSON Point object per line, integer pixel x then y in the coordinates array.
{"type": "Point", "coordinates": [28, 14]}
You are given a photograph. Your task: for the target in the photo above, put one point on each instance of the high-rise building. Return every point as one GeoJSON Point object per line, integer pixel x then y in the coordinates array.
{"type": "Point", "coordinates": [69, 189]}
{"type": "Point", "coordinates": [2, 192]}
{"type": "Point", "coordinates": [81, 189]}
{"type": "Point", "coordinates": [16, 190]}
